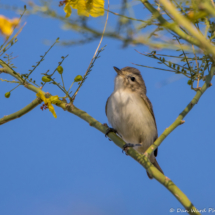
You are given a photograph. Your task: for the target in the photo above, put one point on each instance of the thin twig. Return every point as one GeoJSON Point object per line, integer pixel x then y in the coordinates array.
{"type": "Point", "coordinates": [42, 58]}
{"type": "Point", "coordinates": [32, 82]}
{"type": "Point", "coordinates": [3, 49]}
{"type": "Point", "coordinates": [164, 55]}
{"type": "Point", "coordinates": [70, 87]}
{"type": "Point", "coordinates": [117, 14]}
{"type": "Point", "coordinates": [15, 87]}
{"type": "Point", "coordinates": [184, 55]}
{"type": "Point", "coordinates": [88, 69]}
{"type": "Point", "coordinates": [6, 41]}
{"type": "Point", "coordinates": [191, 29]}
{"type": "Point", "coordinates": [62, 81]}
{"type": "Point", "coordinates": [197, 67]}
{"type": "Point", "coordinates": [17, 82]}
{"type": "Point", "coordinates": [63, 58]}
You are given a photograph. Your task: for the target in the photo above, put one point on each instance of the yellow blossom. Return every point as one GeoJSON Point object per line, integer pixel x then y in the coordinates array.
{"type": "Point", "coordinates": [68, 10]}
{"type": "Point", "coordinates": [68, 7]}
{"type": "Point", "coordinates": [94, 8]}
{"type": "Point", "coordinates": [49, 101]}
{"type": "Point", "coordinates": [51, 109]}
{"type": "Point", "coordinates": [7, 25]}
{"type": "Point", "coordinates": [54, 100]}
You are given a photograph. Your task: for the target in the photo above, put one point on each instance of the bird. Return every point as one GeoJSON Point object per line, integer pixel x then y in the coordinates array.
{"type": "Point", "coordinates": [130, 113]}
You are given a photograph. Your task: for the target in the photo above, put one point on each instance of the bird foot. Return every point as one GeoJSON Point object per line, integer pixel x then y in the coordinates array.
{"type": "Point", "coordinates": [110, 130]}
{"type": "Point", "coordinates": [127, 145]}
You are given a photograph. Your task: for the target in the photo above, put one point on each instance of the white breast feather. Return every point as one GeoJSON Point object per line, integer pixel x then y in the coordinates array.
{"type": "Point", "coordinates": [128, 114]}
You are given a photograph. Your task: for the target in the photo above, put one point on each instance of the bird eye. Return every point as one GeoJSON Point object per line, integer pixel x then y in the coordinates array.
{"type": "Point", "coordinates": [133, 78]}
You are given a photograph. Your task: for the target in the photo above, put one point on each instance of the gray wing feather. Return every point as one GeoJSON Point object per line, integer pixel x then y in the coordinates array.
{"type": "Point", "coordinates": [150, 108]}
{"type": "Point", "coordinates": [106, 105]}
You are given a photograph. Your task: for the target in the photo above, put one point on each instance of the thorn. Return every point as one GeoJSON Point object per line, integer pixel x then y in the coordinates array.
{"type": "Point", "coordinates": [166, 178]}
{"type": "Point", "coordinates": [210, 85]}
{"type": "Point", "coordinates": [105, 124]}
{"type": "Point", "coordinates": [182, 122]}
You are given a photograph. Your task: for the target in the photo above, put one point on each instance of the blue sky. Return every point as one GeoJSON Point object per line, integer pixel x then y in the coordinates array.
{"type": "Point", "coordinates": [64, 166]}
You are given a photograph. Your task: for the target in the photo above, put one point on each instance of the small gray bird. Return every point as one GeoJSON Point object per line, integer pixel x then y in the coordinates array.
{"type": "Point", "coordinates": [130, 113]}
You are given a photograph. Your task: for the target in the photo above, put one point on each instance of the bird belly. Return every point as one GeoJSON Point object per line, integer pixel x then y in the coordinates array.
{"type": "Point", "coordinates": [129, 115]}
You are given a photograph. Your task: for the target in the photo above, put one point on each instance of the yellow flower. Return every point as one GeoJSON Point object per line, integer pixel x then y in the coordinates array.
{"type": "Point", "coordinates": [7, 25]}
{"type": "Point", "coordinates": [68, 10]}
{"type": "Point", "coordinates": [49, 101]}
{"type": "Point", "coordinates": [94, 8]}
{"type": "Point", "coordinates": [68, 7]}
{"type": "Point", "coordinates": [54, 100]}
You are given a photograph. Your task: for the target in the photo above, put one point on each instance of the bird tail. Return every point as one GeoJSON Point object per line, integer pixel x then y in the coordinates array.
{"type": "Point", "coordinates": [155, 163]}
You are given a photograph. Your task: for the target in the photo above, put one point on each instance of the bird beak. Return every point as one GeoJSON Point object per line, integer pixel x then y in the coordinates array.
{"type": "Point", "coordinates": [117, 70]}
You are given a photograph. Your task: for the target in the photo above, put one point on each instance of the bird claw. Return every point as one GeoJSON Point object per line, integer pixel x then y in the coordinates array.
{"type": "Point", "coordinates": [110, 130]}
{"type": "Point", "coordinates": [127, 145]}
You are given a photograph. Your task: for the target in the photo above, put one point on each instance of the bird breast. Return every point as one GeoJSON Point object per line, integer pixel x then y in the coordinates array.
{"type": "Point", "coordinates": [129, 115]}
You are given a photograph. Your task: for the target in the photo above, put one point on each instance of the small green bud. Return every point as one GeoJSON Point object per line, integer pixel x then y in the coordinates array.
{"type": "Point", "coordinates": [46, 79]}
{"type": "Point", "coordinates": [78, 78]}
{"type": "Point", "coordinates": [7, 94]}
{"type": "Point", "coordinates": [189, 82]}
{"type": "Point", "coordinates": [123, 20]}
{"type": "Point", "coordinates": [60, 69]}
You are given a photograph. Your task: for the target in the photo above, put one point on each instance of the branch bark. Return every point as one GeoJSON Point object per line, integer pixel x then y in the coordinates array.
{"type": "Point", "coordinates": [171, 26]}
{"type": "Point", "coordinates": [181, 20]}
{"type": "Point", "coordinates": [21, 112]}
{"type": "Point", "coordinates": [181, 116]}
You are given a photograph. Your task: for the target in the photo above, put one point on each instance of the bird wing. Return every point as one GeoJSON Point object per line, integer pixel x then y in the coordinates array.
{"type": "Point", "coordinates": [106, 105]}
{"type": "Point", "coordinates": [150, 108]}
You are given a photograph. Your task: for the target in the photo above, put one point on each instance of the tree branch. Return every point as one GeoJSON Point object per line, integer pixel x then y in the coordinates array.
{"type": "Point", "coordinates": [171, 26]}
{"type": "Point", "coordinates": [181, 116]}
{"type": "Point", "coordinates": [183, 21]}
{"type": "Point", "coordinates": [21, 112]}
{"type": "Point", "coordinates": [10, 71]}
{"type": "Point", "coordinates": [209, 7]}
